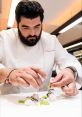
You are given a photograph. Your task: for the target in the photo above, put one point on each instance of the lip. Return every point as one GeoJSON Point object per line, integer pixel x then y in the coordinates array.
{"type": "Point", "coordinates": [32, 39]}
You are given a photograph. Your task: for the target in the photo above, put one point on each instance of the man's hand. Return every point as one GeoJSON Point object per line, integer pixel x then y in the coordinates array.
{"type": "Point", "coordinates": [27, 76]}
{"type": "Point", "coordinates": [71, 89]}
{"type": "Point", "coordinates": [65, 79]}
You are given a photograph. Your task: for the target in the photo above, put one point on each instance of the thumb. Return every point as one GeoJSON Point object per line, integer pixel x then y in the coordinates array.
{"type": "Point", "coordinates": [57, 78]}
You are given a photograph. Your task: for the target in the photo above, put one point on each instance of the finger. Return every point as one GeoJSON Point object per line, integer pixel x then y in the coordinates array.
{"type": "Point", "coordinates": [57, 78]}
{"type": "Point", "coordinates": [38, 80]}
{"type": "Point", "coordinates": [35, 76]}
{"type": "Point", "coordinates": [29, 79]}
{"type": "Point", "coordinates": [63, 82]}
{"type": "Point", "coordinates": [70, 90]}
{"type": "Point", "coordinates": [71, 93]}
{"type": "Point", "coordinates": [39, 71]}
{"type": "Point", "coordinates": [30, 71]}
{"type": "Point", "coordinates": [22, 82]}
{"type": "Point", "coordinates": [19, 82]}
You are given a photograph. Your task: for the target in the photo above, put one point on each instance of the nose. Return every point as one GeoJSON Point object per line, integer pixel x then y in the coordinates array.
{"type": "Point", "coordinates": [32, 32]}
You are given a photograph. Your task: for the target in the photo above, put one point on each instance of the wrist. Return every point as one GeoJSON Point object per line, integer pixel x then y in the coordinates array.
{"type": "Point", "coordinates": [73, 71]}
{"type": "Point", "coordinates": [8, 76]}
{"type": "Point", "coordinates": [3, 74]}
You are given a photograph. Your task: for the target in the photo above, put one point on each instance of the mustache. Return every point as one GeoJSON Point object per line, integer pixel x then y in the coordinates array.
{"type": "Point", "coordinates": [31, 36]}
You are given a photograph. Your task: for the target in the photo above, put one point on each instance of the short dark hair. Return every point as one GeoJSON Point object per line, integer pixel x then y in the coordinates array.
{"type": "Point", "coordinates": [29, 9]}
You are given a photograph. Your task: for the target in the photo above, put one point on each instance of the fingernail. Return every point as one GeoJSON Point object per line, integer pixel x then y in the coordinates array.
{"type": "Point", "coordinates": [51, 80]}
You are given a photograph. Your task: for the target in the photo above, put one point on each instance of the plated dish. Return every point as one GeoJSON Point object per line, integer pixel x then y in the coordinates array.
{"type": "Point", "coordinates": [36, 99]}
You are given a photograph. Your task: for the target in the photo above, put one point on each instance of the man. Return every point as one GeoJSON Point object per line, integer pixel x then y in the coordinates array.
{"type": "Point", "coordinates": [28, 54]}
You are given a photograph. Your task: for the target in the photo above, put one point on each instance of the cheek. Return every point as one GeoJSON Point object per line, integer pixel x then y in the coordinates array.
{"type": "Point", "coordinates": [24, 32]}
{"type": "Point", "coordinates": [38, 32]}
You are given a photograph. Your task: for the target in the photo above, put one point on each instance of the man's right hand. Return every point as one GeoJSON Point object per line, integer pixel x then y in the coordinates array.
{"type": "Point", "coordinates": [27, 76]}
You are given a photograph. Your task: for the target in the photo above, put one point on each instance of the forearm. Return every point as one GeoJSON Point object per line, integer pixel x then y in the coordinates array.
{"type": "Point", "coordinates": [3, 74]}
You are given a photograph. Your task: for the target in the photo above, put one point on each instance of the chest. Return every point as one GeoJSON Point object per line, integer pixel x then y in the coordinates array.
{"type": "Point", "coordinates": [33, 56]}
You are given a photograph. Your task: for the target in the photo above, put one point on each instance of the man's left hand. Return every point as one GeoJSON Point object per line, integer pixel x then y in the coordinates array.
{"type": "Point", "coordinates": [65, 79]}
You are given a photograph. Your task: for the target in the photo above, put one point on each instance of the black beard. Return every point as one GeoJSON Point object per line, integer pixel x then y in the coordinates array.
{"type": "Point", "coordinates": [30, 40]}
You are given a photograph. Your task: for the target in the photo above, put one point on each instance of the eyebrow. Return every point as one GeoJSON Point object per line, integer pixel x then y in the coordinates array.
{"type": "Point", "coordinates": [29, 26]}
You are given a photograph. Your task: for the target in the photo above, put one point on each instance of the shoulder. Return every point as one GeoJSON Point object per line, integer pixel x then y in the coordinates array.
{"type": "Point", "coordinates": [47, 35]}
{"type": "Point", "coordinates": [48, 40]}
{"type": "Point", "coordinates": [10, 33]}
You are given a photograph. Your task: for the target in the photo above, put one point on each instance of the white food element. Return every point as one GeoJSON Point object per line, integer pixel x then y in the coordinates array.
{"type": "Point", "coordinates": [36, 97]}
{"type": "Point", "coordinates": [52, 97]}
{"type": "Point", "coordinates": [29, 102]}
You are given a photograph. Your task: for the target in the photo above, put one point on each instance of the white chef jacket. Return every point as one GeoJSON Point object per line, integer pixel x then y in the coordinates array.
{"type": "Point", "coordinates": [48, 52]}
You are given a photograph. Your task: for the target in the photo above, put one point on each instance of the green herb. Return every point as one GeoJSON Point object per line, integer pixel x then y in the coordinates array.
{"type": "Point", "coordinates": [45, 97]}
{"type": "Point", "coordinates": [44, 102]}
{"type": "Point", "coordinates": [21, 101]}
{"type": "Point", "coordinates": [33, 99]}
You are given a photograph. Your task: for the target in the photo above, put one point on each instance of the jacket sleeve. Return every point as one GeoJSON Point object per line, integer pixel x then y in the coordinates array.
{"type": "Point", "coordinates": [65, 59]}
{"type": "Point", "coordinates": [1, 53]}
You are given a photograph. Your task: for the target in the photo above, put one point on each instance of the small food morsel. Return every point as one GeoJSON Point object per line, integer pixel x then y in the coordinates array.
{"type": "Point", "coordinates": [35, 99]}
{"type": "Point", "coordinates": [51, 95]}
